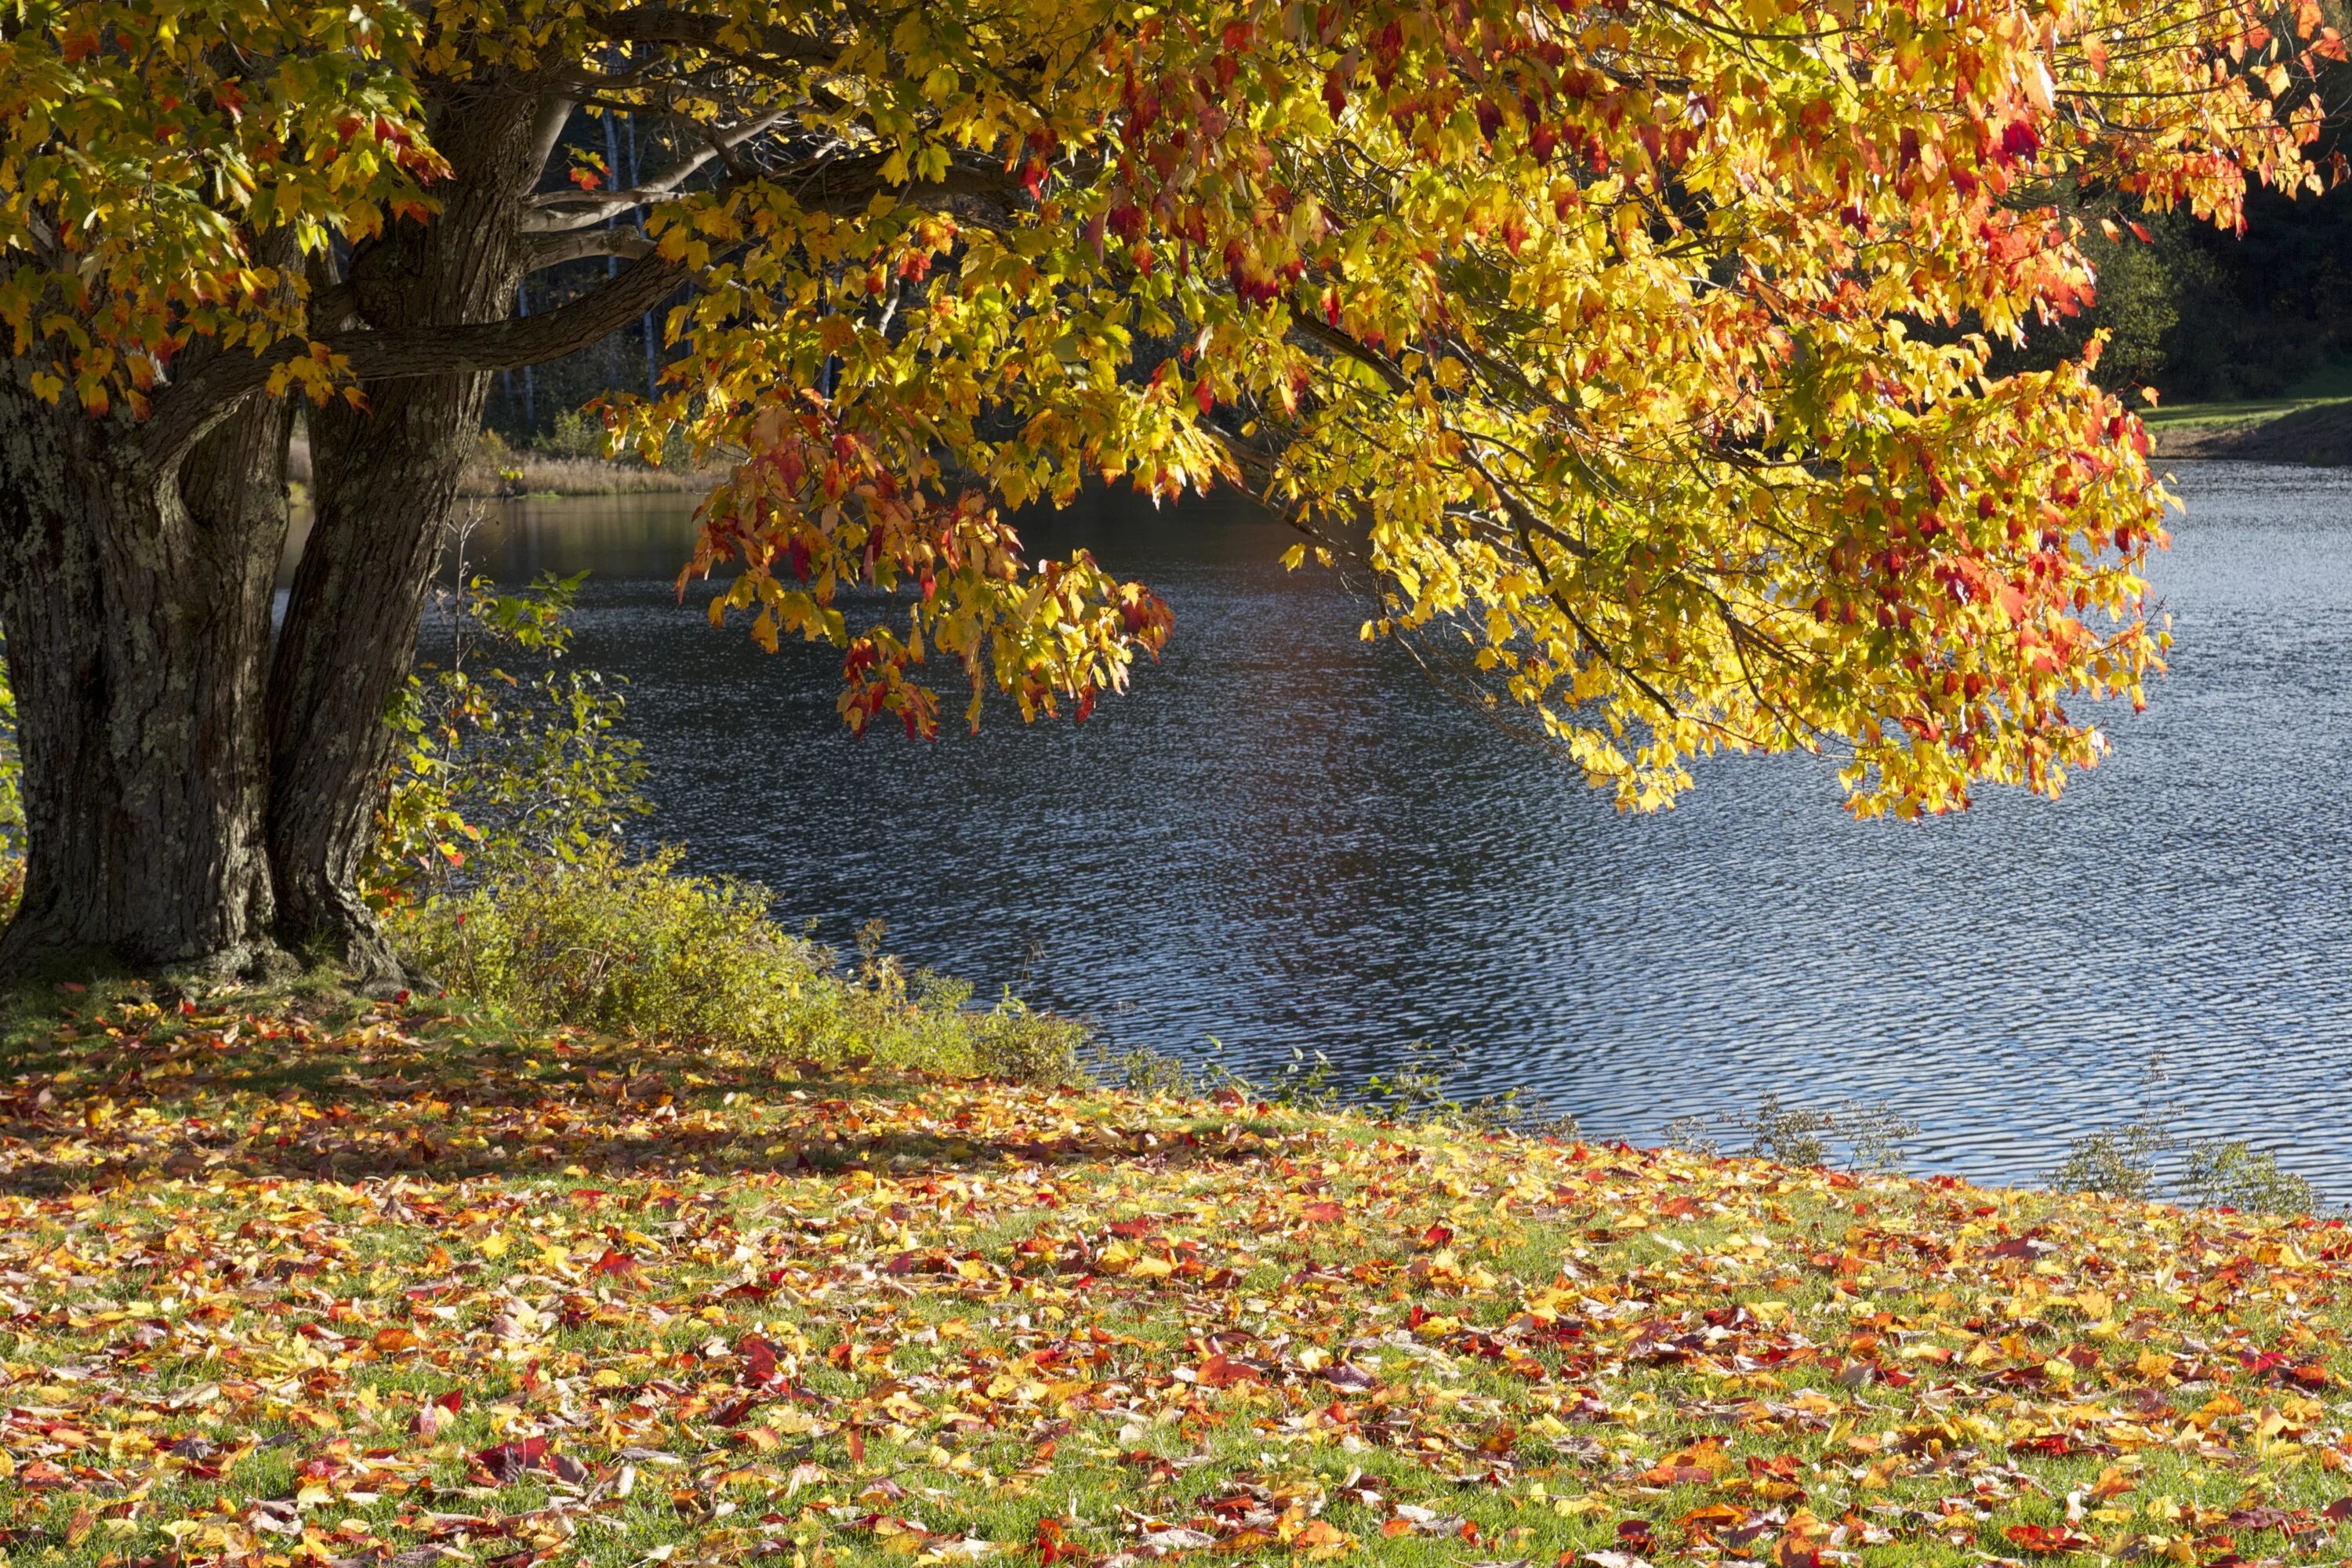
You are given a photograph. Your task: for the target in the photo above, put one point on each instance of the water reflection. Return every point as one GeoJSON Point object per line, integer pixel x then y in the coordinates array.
{"type": "Point", "coordinates": [1285, 837]}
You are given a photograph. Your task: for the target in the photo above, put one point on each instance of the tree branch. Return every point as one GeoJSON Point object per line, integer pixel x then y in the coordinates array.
{"type": "Point", "coordinates": [554, 114]}
{"type": "Point", "coordinates": [1332, 338]}
{"type": "Point", "coordinates": [186, 410]}
{"type": "Point", "coordinates": [548, 250]}
{"type": "Point", "coordinates": [552, 212]}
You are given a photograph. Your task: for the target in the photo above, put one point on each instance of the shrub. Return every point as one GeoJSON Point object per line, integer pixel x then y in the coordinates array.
{"type": "Point", "coordinates": [1874, 1136]}
{"type": "Point", "coordinates": [573, 436]}
{"type": "Point", "coordinates": [502, 769]}
{"type": "Point", "coordinates": [2231, 1173]}
{"type": "Point", "coordinates": [2118, 1161]}
{"type": "Point", "coordinates": [639, 948]}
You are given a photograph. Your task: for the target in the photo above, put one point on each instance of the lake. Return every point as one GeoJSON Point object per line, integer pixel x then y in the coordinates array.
{"type": "Point", "coordinates": [1285, 838]}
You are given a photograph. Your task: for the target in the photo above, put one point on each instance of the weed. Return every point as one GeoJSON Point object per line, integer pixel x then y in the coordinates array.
{"type": "Point", "coordinates": [2216, 1173]}
{"type": "Point", "coordinates": [2117, 1161]}
{"type": "Point", "coordinates": [2233, 1174]}
{"type": "Point", "coordinates": [1414, 1094]}
{"type": "Point", "coordinates": [1875, 1135]}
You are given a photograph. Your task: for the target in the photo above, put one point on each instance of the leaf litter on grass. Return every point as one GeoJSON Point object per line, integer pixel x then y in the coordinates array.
{"type": "Point", "coordinates": [284, 1290]}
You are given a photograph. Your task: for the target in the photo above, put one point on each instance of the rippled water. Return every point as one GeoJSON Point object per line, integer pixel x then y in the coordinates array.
{"type": "Point", "coordinates": [1285, 837]}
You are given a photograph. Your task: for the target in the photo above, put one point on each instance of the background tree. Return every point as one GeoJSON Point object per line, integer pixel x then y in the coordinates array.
{"type": "Point", "coordinates": [1591, 330]}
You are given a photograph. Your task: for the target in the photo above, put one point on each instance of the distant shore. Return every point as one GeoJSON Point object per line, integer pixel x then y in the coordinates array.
{"type": "Point", "coordinates": [2308, 432]}
{"type": "Point", "coordinates": [2312, 432]}
{"type": "Point", "coordinates": [529, 474]}
{"type": "Point", "coordinates": [515, 476]}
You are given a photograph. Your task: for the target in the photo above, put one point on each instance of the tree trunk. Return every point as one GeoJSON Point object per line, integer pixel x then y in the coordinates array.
{"type": "Point", "coordinates": [385, 484]}
{"type": "Point", "coordinates": [136, 608]}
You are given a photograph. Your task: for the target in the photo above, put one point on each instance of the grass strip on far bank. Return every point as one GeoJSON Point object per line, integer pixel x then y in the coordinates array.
{"type": "Point", "coordinates": [2315, 430]}
{"type": "Point", "coordinates": [538, 475]}
{"type": "Point", "coordinates": [2224, 415]}
{"type": "Point", "coordinates": [288, 1285]}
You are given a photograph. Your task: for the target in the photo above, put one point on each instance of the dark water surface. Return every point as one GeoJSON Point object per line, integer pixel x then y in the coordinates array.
{"type": "Point", "coordinates": [1286, 838]}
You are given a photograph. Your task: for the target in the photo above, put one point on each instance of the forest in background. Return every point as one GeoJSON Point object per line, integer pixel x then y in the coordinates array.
{"type": "Point", "coordinates": [2207, 316]}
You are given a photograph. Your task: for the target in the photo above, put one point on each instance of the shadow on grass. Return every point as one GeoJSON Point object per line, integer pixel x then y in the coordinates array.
{"type": "Point", "coordinates": [358, 1094]}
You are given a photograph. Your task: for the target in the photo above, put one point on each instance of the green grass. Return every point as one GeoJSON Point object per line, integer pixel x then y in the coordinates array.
{"type": "Point", "coordinates": [762, 1311]}
{"type": "Point", "coordinates": [2229, 416]}
{"type": "Point", "coordinates": [2328, 386]}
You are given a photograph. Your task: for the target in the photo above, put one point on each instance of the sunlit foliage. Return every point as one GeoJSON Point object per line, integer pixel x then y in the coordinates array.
{"type": "Point", "coordinates": [1636, 348]}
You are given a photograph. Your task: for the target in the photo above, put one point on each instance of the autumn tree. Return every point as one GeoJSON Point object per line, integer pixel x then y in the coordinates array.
{"type": "Point", "coordinates": [1636, 348]}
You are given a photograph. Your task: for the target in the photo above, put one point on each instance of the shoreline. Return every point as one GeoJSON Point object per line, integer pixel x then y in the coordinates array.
{"type": "Point", "coordinates": [533, 475]}
{"type": "Point", "coordinates": [2313, 432]}
{"type": "Point", "coordinates": [542, 475]}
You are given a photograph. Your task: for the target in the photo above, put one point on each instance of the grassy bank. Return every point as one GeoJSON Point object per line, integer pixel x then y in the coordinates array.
{"type": "Point", "coordinates": [2312, 431]}
{"type": "Point", "coordinates": [496, 471]}
{"type": "Point", "coordinates": [2311, 424]}
{"type": "Point", "coordinates": [538, 474]}
{"type": "Point", "coordinates": [364, 1284]}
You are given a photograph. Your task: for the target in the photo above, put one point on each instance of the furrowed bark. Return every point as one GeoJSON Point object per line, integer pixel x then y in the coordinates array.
{"type": "Point", "coordinates": [136, 605]}
{"type": "Point", "coordinates": [385, 483]}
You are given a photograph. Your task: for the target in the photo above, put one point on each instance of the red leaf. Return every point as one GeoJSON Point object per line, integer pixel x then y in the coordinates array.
{"type": "Point", "coordinates": [509, 1461]}
{"type": "Point", "coordinates": [2046, 1537]}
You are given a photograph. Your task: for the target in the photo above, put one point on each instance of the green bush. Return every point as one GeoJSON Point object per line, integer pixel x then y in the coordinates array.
{"type": "Point", "coordinates": [573, 436]}
{"type": "Point", "coordinates": [2119, 1161]}
{"type": "Point", "coordinates": [497, 769]}
{"type": "Point", "coordinates": [640, 949]}
{"type": "Point", "coordinates": [2231, 1173]}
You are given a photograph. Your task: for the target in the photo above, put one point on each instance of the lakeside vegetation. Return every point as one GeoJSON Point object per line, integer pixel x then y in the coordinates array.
{"type": "Point", "coordinates": [2312, 431]}
{"type": "Point", "coordinates": [566, 461]}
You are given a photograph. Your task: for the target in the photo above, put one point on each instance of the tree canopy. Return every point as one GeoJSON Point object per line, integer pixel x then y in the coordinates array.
{"type": "Point", "coordinates": [1637, 349]}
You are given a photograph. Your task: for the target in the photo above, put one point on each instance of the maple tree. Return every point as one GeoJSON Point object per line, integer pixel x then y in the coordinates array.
{"type": "Point", "coordinates": [1636, 346]}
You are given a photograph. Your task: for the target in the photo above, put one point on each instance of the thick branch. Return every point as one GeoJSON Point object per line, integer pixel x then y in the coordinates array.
{"type": "Point", "coordinates": [836, 184]}
{"type": "Point", "coordinates": [554, 249]}
{"type": "Point", "coordinates": [554, 114]}
{"type": "Point", "coordinates": [186, 410]}
{"type": "Point", "coordinates": [1332, 338]}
